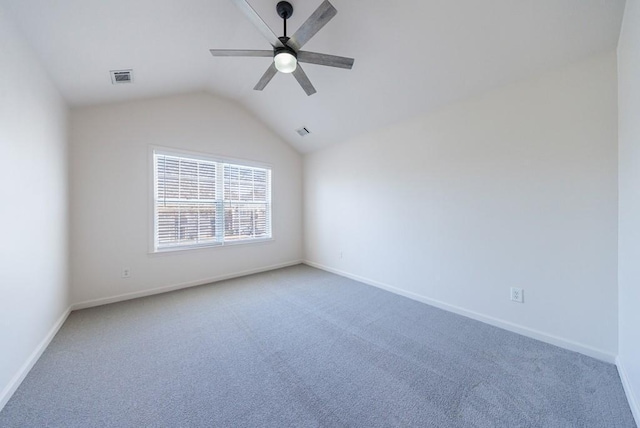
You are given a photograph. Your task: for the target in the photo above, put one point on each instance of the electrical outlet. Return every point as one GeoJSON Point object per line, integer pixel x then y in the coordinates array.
{"type": "Point", "coordinates": [340, 255]}
{"type": "Point", "coordinates": [517, 294]}
{"type": "Point", "coordinates": [126, 273]}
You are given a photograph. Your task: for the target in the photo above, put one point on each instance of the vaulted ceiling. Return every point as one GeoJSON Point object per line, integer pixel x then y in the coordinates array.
{"type": "Point", "coordinates": [410, 57]}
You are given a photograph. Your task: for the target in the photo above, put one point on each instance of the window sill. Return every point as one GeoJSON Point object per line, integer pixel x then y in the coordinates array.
{"type": "Point", "coordinates": [181, 250]}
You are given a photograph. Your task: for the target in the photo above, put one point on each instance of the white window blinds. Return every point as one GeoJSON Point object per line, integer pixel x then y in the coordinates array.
{"type": "Point", "coordinates": [246, 202]}
{"type": "Point", "coordinates": [199, 202]}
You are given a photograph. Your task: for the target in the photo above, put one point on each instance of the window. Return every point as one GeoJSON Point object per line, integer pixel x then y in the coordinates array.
{"type": "Point", "coordinates": [202, 202]}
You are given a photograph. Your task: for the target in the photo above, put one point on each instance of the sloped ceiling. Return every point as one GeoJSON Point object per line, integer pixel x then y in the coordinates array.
{"type": "Point", "coordinates": [411, 56]}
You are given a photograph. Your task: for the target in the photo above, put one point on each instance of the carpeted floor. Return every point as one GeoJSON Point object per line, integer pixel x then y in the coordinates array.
{"type": "Point", "coordinates": [305, 348]}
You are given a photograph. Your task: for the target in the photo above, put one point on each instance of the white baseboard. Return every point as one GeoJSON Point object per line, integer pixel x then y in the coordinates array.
{"type": "Point", "coordinates": [165, 289]}
{"type": "Point", "coordinates": [506, 325]}
{"type": "Point", "coordinates": [626, 384]}
{"type": "Point", "coordinates": [15, 382]}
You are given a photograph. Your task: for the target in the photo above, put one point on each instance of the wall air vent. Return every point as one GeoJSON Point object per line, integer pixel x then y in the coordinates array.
{"type": "Point", "coordinates": [303, 131]}
{"type": "Point", "coordinates": [121, 76]}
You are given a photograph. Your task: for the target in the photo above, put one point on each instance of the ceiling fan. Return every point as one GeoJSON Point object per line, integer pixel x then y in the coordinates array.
{"type": "Point", "coordinates": [286, 51]}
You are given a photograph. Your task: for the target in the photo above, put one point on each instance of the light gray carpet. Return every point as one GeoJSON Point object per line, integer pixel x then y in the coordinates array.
{"type": "Point", "coordinates": [302, 347]}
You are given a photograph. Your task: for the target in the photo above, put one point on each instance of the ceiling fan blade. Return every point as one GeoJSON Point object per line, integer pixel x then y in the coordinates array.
{"type": "Point", "coordinates": [303, 80]}
{"type": "Point", "coordinates": [266, 77]}
{"type": "Point", "coordinates": [239, 52]}
{"type": "Point", "coordinates": [324, 59]}
{"type": "Point", "coordinates": [312, 25]}
{"type": "Point", "coordinates": [255, 19]}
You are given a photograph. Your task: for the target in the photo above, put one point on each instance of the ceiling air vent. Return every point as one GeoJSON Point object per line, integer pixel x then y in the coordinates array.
{"type": "Point", "coordinates": [121, 76]}
{"type": "Point", "coordinates": [303, 131]}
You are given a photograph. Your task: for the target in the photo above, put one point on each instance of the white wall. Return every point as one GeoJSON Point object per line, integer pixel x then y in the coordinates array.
{"type": "Point", "coordinates": [629, 209]}
{"type": "Point", "coordinates": [33, 208]}
{"type": "Point", "coordinates": [111, 188]}
{"type": "Point", "coordinates": [517, 187]}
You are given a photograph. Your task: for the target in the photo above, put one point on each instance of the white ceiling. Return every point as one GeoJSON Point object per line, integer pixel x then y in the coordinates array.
{"type": "Point", "coordinates": [410, 56]}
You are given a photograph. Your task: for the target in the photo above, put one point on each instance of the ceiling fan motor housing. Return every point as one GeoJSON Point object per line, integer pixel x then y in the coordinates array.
{"type": "Point", "coordinates": [286, 49]}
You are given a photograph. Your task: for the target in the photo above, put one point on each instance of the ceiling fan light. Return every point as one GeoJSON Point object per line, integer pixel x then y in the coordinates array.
{"type": "Point", "coordinates": [285, 62]}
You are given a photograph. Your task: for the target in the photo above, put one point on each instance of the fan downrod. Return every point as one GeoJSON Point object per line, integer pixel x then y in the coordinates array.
{"type": "Point", "coordinates": [284, 9]}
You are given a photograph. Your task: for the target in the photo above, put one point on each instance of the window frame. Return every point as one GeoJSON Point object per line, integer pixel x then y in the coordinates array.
{"type": "Point", "coordinates": [220, 161]}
